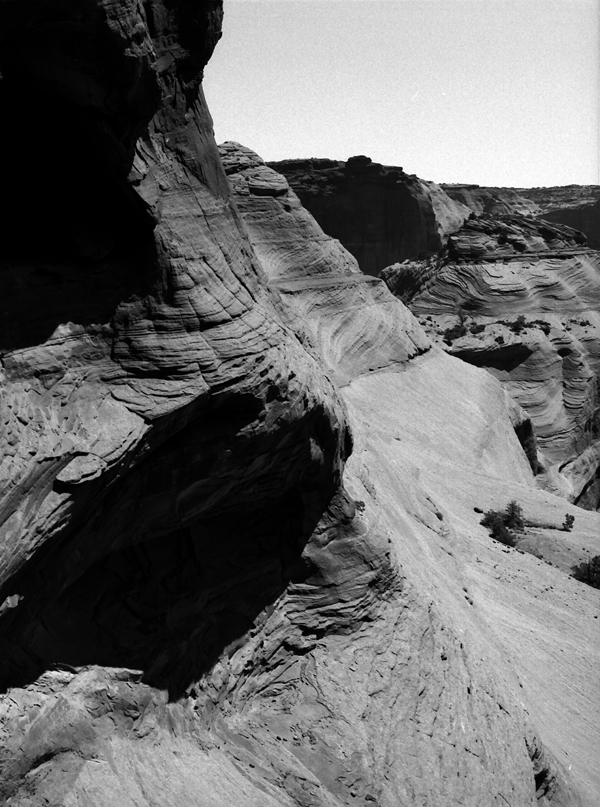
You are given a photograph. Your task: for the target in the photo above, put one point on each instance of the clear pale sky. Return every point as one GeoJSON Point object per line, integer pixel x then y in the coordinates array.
{"type": "Point", "coordinates": [494, 92]}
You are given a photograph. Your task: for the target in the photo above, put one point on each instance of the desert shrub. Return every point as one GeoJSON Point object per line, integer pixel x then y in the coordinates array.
{"type": "Point", "coordinates": [519, 324]}
{"type": "Point", "coordinates": [542, 325]}
{"type": "Point", "coordinates": [513, 515]}
{"type": "Point", "coordinates": [567, 524]}
{"type": "Point", "coordinates": [495, 522]}
{"type": "Point", "coordinates": [487, 519]}
{"type": "Point", "coordinates": [360, 505]}
{"type": "Point", "coordinates": [501, 523]}
{"type": "Point", "coordinates": [501, 532]}
{"type": "Point", "coordinates": [588, 572]}
{"type": "Point", "coordinates": [500, 340]}
{"type": "Point", "coordinates": [455, 332]}
{"type": "Point", "coordinates": [477, 327]}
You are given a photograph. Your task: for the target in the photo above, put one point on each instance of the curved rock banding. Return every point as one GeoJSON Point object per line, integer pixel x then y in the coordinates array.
{"type": "Point", "coordinates": [208, 595]}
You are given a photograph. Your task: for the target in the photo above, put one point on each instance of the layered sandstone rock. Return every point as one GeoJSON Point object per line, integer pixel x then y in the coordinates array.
{"type": "Point", "coordinates": [203, 601]}
{"type": "Point", "coordinates": [319, 280]}
{"type": "Point", "coordinates": [491, 201]}
{"type": "Point", "coordinates": [156, 405]}
{"type": "Point", "coordinates": [379, 213]}
{"type": "Point", "coordinates": [577, 206]}
{"type": "Point", "coordinates": [521, 297]}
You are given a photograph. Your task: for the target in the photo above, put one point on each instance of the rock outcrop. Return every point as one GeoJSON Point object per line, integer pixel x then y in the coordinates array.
{"type": "Point", "coordinates": [378, 213]}
{"type": "Point", "coordinates": [584, 217]}
{"type": "Point", "coordinates": [491, 201]}
{"type": "Point", "coordinates": [577, 206]}
{"type": "Point", "coordinates": [239, 557]}
{"type": "Point", "coordinates": [521, 297]}
{"type": "Point", "coordinates": [317, 278]}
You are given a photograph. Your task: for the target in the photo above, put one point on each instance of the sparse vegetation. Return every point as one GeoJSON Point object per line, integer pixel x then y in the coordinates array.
{"type": "Point", "coordinates": [513, 516]}
{"type": "Point", "coordinates": [477, 328]}
{"type": "Point", "coordinates": [458, 330]}
{"type": "Point", "coordinates": [542, 325]}
{"type": "Point", "coordinates": [455, 332]}
{"type": "Point", "coordinates": [501, 523]}
{"type": "Point", "coordinates": [588, 572]}
{"type": "Point", "coordinates": [519, 324]}
{"type": "Point", "coordinates": [567, 524]}
{"type": "Point", "coordinates": [360, 506]}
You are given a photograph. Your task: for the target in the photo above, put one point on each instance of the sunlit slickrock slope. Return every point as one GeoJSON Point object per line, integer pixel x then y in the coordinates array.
{"type": "Point", "coordinates": [523, 298]}
{"type": "Point", "coordinates": [194, 609]}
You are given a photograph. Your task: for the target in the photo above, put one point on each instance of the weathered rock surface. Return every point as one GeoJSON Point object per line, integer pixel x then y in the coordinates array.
{"type": "Point", "coordinates": [577, 206]}
{"type": "Point", "coordinates": [194, 609]}
{"type": "Point", "coordinates": [491, 201]}
{"type": "Point", "coordinates": [379, 213]}
{"type": "Point", "coordinates": [154, 399]}
{"type": "Point", "coordinates": [318, 279]}
{"type": "Point", "coordinates": [521, 298]}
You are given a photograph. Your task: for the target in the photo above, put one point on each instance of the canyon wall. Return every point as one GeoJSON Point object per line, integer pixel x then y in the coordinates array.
{"type": "Point", "coordinates": [577, 206]}
{"type": "Point", "coordinates": [240, 552]}
{"type": "Point", "coordinates": [379, 213]}
{"type": "Point", "coordinates": [520, 297]}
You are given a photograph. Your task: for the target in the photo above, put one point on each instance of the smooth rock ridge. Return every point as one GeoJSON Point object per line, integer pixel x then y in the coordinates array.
{"type": "Point", "coordinates": [319, 280]}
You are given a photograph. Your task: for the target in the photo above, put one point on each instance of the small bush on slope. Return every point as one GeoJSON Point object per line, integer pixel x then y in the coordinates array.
{"type": "Point", "coordinates": [513, 515]}
{"type": "Point", "coordinates": [567, 524]}
{"type": "Point", "coordinates": [588, 572]}
{"type": "Point", "coordinates": [500, 523]}
{"type": "Point", "coordinates": [450, 334]}
{"type": "Point", "coordinates": [495, 522]}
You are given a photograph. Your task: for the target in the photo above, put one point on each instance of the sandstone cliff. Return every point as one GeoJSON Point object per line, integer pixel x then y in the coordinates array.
{"type": "Point", "coordinates": [520, 297]}
{"type": "Point", "coordinates": [240, 562]}
{"type": "Point", "coordinates": [318, 279]}
{"type": "Point", "coordinates": [577, 206]}
{"type": "Point", "coordinates": [379, 213]}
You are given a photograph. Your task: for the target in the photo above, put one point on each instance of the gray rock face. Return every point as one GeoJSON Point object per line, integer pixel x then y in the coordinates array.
{"type": "Point", "coordinates": [320, 281]}
{"type": "Point", "coordinates": [378, 213]}
{"type": "Point", "coordinates": [491, 201]}
{"type": "Point", "coordinates": [520, 297]}
{"type": "Point", "coordinates": [207, 596]}
{"type": "Point", "coordinates": [129, 431]}
{"type": "Point", "coordinates": [577, 206]}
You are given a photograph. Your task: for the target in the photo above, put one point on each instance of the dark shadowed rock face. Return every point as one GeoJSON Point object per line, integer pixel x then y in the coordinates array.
{"type": "Point", "coordinates": [379, 213]}
{"type": "Point", "coordinates": [157, 410]}
{"type": "Point", "coordinates": [584, 217]}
